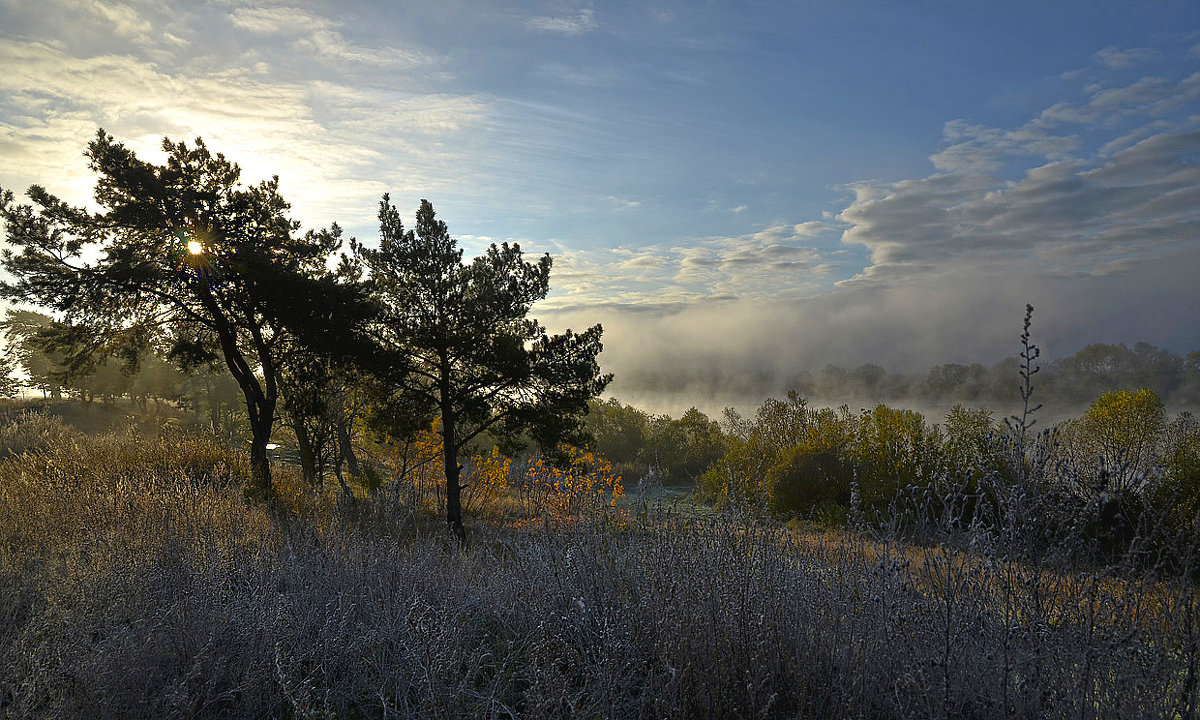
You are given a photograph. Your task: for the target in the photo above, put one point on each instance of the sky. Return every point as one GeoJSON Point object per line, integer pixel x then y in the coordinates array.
{"type": "Point", "coordinates": [754, 186]}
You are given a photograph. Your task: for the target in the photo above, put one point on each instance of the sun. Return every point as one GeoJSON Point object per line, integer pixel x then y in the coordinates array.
{"type": "Point", "coordinates": [194, 247]}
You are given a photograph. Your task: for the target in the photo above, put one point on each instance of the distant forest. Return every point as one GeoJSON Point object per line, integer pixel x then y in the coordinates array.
{"type": "Point", "coordinates": [1073, 380]}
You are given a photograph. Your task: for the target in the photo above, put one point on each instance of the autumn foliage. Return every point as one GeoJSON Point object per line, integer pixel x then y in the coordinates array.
{"type": "Point", "coordinates": [582, 479]}
{"type": "Point", "coordinates": [568, 482]}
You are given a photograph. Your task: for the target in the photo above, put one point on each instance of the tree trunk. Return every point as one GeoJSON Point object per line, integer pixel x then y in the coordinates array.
{"type": "Point", "coordinates": [260, 462]}
{"type": "Point", "coordinates": [346, 446]}
{"type": "Point", "coordinates": [453, 469]}
{"type": "Point", "coordinates": [308, 457]}
{"type": "Point", "coordinates": [261, 413]}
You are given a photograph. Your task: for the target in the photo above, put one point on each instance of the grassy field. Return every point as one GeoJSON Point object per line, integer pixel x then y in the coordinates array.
{"type": "Point", "coordinates": [137, 581]}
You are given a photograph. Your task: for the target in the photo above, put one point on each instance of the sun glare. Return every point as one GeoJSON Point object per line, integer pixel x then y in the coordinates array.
{"type": "Point", "coordinates": [194, 247]}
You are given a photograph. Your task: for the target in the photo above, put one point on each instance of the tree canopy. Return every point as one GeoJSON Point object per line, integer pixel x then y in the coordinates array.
{"type": "Point", "coordinates": [185, 254]}
{"type": "Point", "coordinates": [462, 348]}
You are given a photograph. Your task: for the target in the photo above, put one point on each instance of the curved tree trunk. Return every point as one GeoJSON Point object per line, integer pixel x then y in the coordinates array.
{"type": "Point", "coordinates": [260, 460]}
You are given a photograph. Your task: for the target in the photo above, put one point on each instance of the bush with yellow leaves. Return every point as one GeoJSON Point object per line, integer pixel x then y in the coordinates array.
{"type": "Point", "coordinates": [580, 480]}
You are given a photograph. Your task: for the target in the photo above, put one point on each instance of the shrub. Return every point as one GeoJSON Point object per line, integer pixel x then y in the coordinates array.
{"type": "Point", "coordinates": [33, 431]}
{"type": "Point", "coordinates": [811, 477]}
{"type": "Point", "coordinates": [576, 481]}
{"type": "Point", "coordinates": [818, 472]}
{"type": "Point", "coordinates": [1114, 446]}
{"type": "Point", "coordinates": [893, 451]}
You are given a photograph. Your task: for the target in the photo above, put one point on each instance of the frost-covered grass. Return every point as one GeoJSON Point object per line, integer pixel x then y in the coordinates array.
{"type": "Point", "coordinates": [136, 581]}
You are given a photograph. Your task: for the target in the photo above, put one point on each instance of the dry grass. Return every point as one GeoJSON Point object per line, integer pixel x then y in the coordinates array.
{"type": "Point", "coordinates": [136, 581]}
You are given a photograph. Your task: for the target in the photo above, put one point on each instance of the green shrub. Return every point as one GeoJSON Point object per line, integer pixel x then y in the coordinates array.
{"type": "Point", "coordinates": [893, 451]}
{"type": "Point", "coordinates": [811, 477]}
{"type": "Point", "coordinates": [819, 471]}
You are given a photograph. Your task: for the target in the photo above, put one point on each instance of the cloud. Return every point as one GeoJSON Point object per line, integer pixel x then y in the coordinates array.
{"type": "Point", "coordinates": [622, 203]}
{"type": "Point", "coordinates": [336, 144]}
{"type": "Point", "coordinates": [1148, 96]}
{"type": "Point", "coordinates": [125, 20]}
{"type": "Point", "coordinates": [1089, 210]}
{"type": "Point", "coordinates": [1069, 215]}
{"type": "Point", "coordinates": [1115, 57]}
{"type": "Point", "coordinates": [809, 228]}
{"type": "Point", "coordinates": [703, 348]}
{"type": "Point", "coordinates": [976, 148]}
{"type": "Point", "coordinates": [581, 22]}
{"type": "Point", "coordinates": [739, 209]}
{"type": "Point", "coordinates": [777, 261]}
{"type": "Point", "coordinates": [278, 20]}
{"type": "Point", "coordinates": [320, 36]}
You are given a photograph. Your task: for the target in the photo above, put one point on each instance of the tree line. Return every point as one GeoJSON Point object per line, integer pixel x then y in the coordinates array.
{"type": "Point", "coordinates": [186, 263]}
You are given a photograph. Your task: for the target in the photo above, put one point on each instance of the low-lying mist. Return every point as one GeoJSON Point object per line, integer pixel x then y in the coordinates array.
{"type": "Point", "coordinates": [714, 354]}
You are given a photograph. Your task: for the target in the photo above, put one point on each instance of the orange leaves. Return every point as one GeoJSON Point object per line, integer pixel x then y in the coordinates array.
{"type": "Point", "coordinates": [417, 467]}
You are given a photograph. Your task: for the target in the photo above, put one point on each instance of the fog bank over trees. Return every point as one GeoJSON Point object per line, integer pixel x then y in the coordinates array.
{"type": "Point", "coordinates": [712, 354]}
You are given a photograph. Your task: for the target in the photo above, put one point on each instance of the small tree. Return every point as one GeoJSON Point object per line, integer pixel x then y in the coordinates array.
{"type": "Point", "coordinates": [9, 385]}
{"type": "Point", "coordinates": [25, 331]}
{"type": "Point", "coordinates": [1115, 444]}
{"type": "Point", "coordinates": [182, 251]}
{"type": "Point", "coordinates": [463, 348]}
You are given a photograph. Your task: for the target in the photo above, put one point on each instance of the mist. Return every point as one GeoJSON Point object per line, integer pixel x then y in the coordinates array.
{"type": "Point", "coordinates": [714, 354]}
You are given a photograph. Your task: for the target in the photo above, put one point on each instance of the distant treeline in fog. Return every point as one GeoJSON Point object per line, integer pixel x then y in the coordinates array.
{"type": "Point", "coordinates": [1077, 379]}
{"type": "Point", "coordinates": [1074, 380]}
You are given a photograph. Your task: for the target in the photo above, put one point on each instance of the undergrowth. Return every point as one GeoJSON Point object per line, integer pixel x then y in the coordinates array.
{"type": "Point", "coordinates": [137, 581]}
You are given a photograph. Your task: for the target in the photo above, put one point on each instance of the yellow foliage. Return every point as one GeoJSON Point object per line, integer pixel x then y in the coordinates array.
{"type": "Point", "coordinates": [417, 465]}
{"type": "Point", "coordinates": [585, 481]}
{"type": "Point", "coordinates": [487, 480]}
{"type": "Point", "coordinates": [1116, 441]}
{"type": "Point", "coordinates": [414, 465]}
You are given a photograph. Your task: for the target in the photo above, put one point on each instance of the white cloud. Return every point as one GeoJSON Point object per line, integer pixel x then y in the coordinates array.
{"type": "Point", "coordinates": [1071, 215]}
{"type": "Point", "coordinates": [1148, 96]}
{"type": "Point", "coordinates": [770, 263]}
{"type": "Point", "coordinates": [1133, 136]}
{"type": "Point", "coordinates": [975, 148]}
{"type": "Point", "coordinates": [809, 228]}
{"type": "Point", "coordinates": [1053, 203]}
{"type": "Point", "coordinates": [314, 34]}
{"type": "Point", "coordinates": [278, 20]}
{"type": "Point", "coordinates": [623, 203]}
{"type": "Point", "coordinates": [1115, 57]}
{"type": "Point", "coordinates": [580, 22]}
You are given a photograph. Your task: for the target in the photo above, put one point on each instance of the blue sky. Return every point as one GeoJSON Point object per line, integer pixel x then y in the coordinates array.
{"type": "Point", "coordinates": [763, 185]}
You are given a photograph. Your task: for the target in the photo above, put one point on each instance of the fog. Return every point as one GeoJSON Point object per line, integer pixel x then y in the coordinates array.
{"type": "Point", "coordinates": [733, 353]}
